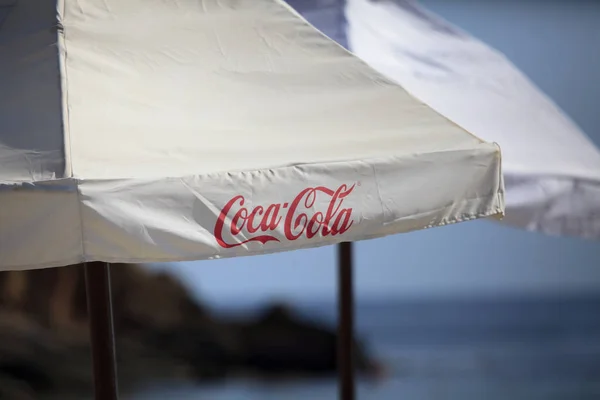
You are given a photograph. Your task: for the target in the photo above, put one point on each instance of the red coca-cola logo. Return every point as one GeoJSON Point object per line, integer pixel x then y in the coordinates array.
{"type": "Point", "coordinates": [299, 217]}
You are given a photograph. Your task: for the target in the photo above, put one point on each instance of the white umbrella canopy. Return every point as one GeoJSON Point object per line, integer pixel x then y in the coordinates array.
{"type": "Point", "coordinates": [153, 131]}
{"type": "Point", "coordinates": [551, 169]}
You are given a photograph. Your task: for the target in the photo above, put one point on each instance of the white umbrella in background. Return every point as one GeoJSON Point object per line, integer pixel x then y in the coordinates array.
{"type": "Point", "coordinates": [160, 131]}
{"type": "Point", "coordinates": [551, 169]}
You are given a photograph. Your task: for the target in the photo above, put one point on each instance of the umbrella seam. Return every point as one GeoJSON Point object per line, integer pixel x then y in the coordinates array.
{"type": "Point", "coordinates": [84, 256]}
{"type": "Point", "coordinates": [64, 81]}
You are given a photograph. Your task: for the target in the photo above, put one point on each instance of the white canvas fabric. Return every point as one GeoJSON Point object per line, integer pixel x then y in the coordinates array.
{"type": "Point", "coordinates": [154, 131]}
{"type": "Point", "coordinates": [551, 169]}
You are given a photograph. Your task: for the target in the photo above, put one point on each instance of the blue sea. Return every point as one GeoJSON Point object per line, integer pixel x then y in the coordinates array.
{"type": "Point", "coordinates": [512, 348]}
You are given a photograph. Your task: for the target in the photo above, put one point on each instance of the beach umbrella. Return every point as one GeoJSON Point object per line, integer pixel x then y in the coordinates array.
{"type": "Point", "coordinates": [157, 131]}
{"type": "Point", "coordinates": [551, 168]}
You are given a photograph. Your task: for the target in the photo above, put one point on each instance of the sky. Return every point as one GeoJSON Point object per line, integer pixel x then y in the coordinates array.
{"type": "Point", "coordinates": [555, 43]}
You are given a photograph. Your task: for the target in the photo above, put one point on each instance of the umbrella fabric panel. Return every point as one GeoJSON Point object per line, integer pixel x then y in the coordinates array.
{"type": "Point", "coordinates": [31, 133]}
{"type": "Point", "coordinates": [552, 169]}
{"type": "Point", "coordinates": [40, 225]}
{"type": "Point", "coordinates": [246, 213]}
{"type": "Point", "coordinates": [236, 214]}
{"type": "Point", "coordinates": [235, 86]}
{"type": "Point", "coordinates": [554, 205]}
{"type": "Point", "coordinates": [220, 86]}
{"type": "Point", "coordinates": [195, 130]}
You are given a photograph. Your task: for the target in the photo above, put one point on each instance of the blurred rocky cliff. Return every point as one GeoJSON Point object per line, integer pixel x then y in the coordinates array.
{"type": "Point", "coordinates": [161, 333]}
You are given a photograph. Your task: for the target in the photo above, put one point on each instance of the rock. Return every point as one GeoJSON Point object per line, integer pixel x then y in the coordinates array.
{"type": "Point", "coordinates": [35, 360]}
{"type": "Point", "coordinates": [161, 334]}
{"type": "Point", "coordinates": [281, 344]}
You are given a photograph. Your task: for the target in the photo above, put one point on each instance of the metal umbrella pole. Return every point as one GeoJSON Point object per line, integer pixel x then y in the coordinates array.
{"type": "Point", "coordinates": [97, 283]}
{"type": "Point", "coordinates": [345, 323]}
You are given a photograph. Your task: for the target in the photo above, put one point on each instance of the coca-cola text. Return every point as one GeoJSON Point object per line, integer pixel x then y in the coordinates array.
{"type": "Point", "coordinates": [261, 222]}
